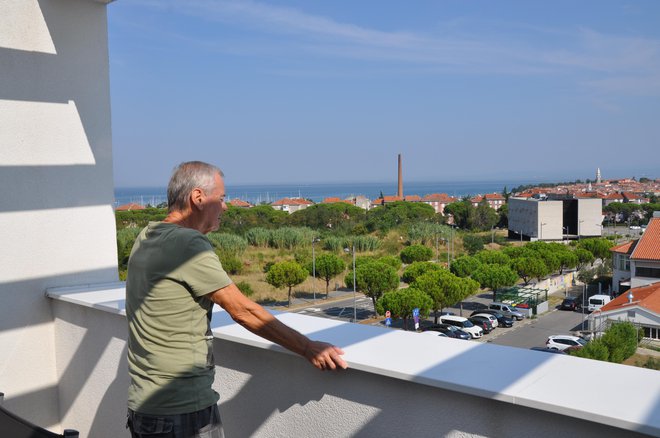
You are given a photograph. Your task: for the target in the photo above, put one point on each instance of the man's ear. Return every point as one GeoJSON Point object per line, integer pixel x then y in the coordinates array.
{"type": "Point", "coordinates": [197, 198]}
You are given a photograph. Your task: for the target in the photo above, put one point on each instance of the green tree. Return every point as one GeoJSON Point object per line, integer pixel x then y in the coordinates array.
{"type": "Point", "coordinates": [286, 274]}
{"type": "Point", "coordinates": [416, 269]}
{"type": "Point", "coordinates": [495, 276]}
{"type": "Point", "coordinates": [584, 257]}
{"type": "Point", "coordinates": [484, 216]}
{"type": "Point", "coordinates": [444, 288]}
{"type": "Point", "coordinates": [621, 341]}
{"type": "Point", "coordinates": [398, 214]}
{"type": "Point", "coordinates": [600, 248]}
{"type": "Point", "coordinates": [335, 216]}
{"type": "Point", "coordinates": [473, 243]}
{"type": "Point", "coordinates": [595, 349]}
{"type": "Point", "coordinates": [416, 253]}
{"type": "Point", "coordinates": [462, 212]}
{"type": "Point", "coordinates": [464, 266]}
{"type": "Point", "coordinates": [529, 267]}
{"type": "Point", "coordinates": [374, 279]}
{"type": "Point", "coordinates": [503, 216]}
{"type": "Point", "coordinates": [402, 302]}
{"type": "Point", "coordinates": [327, 267]}
{"type": "Point", "coordinates": [492, 257]}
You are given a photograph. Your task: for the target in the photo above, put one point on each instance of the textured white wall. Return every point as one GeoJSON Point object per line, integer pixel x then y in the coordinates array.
{"type": "Point", "coordinates": [56, 220]}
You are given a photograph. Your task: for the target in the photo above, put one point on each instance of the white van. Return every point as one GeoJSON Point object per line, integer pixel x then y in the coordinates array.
{"type": "Point", "coordinates": [463, 324]}
{"type": "Point", "coordinates": [597, 301]}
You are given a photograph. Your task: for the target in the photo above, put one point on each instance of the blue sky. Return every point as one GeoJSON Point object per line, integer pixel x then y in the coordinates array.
{"type": "Point", "coordinates": [331, 91]}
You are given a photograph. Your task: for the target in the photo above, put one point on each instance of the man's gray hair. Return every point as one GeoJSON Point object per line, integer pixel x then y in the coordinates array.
{"type": "Point", "coordinates": [187, 177]}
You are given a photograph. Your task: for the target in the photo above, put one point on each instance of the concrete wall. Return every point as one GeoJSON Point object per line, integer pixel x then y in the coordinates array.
{"type": "Point", "coordinates": [590, 217]}
{"type": "Point", "coordinates": [56, 220]}
{"type": "Point", "coordinates": [523, 216]}
{"type": "Point", "coordinates": [528, 215]}
{"type": "Point", "coordinates": [550, 214]}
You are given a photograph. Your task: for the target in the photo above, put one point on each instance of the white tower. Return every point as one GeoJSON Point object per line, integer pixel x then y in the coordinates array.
{"type": "Point", "coordinates": [598, 175]}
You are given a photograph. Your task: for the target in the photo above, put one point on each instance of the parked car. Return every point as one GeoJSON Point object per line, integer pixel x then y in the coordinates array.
{"type": "Point", "coordinates": [483, 322]}
{"type": "Point", "coordinates": [492, 318]}
{"type": "Point", "coordinates": [463, 324]}
{"type": "Point", "coordinates": [548, 350]}
{"type": "Point", "coordinates": [436, 334]}
{"type": "Point", "coordinates": [562, 342]}
{"type": "Point", "coordinates": [502, 320]}
{"type": "Point", "coordinates": [449, 330]}
{"type": "Point", "coordinates": [570, 304]}
{"type": "Point", "coordinates": [507, 310]}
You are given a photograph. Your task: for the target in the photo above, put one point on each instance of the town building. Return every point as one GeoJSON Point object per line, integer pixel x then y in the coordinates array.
{"type": "Point", "coordinates": [639, 305]}
{"type": "Point", "coordinates": [637, 263]}
{"type": "Point", "coordinates": [130, 207]}
{"type": "Point", "coordinates": [240, 203]}
{"type": "Point", "coordinates": [542, 218]}
{"type": "Point", "coordinates": [439, 201]}
{"type": "Point", "coordinates": [291, 205]}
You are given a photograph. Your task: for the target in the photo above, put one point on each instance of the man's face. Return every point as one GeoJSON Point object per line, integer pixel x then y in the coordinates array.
{"type": "Point", "coordinates": [214, 206]}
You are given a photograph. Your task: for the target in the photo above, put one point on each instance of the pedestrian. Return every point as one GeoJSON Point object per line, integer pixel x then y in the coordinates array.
{"type": "Point", "coordinates": [174, 278]}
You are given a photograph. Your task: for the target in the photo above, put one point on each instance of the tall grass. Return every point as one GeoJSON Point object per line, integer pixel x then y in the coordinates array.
{"type": "Point", "coordinates": [228, 243]}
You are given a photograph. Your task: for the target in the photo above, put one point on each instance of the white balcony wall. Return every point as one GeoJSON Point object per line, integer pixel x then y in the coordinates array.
{"type": "Point", "coordinates": [399, 384]}
{"type": "Point", "coordinates": [56, 220]}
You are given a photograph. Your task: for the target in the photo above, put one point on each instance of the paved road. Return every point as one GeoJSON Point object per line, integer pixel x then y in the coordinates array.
{"type": "Point", "coordinates": [534, 332]}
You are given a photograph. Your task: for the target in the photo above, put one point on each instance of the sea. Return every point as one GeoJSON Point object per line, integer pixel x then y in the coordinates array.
{"type": "Point", "coordinates": [267, 193]}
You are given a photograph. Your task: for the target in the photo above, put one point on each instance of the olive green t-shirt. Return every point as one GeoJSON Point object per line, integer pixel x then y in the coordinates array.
{"type": "Point", "coordinates": [170, 344]}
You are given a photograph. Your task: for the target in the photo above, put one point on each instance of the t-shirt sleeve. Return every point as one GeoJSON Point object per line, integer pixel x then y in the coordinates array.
{"type": "Point", "coordinates": [203, 272]}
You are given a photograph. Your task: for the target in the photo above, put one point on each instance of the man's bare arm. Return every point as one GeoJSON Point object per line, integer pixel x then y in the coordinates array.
{"type": "Point", "coordinates": [259, 321]}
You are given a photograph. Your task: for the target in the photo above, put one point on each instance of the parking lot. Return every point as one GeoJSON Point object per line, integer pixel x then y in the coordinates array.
{"type": "Point", "coordinates": [530, 332]}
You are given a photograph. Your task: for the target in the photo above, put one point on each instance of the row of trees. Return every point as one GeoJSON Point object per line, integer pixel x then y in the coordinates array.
{"type": "Point", "coordinates": [536, 260]}
{"type": "Point", "coordinates": [622, 212]}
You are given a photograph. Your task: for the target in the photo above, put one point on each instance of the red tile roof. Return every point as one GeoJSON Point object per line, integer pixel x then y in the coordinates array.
{"type": "Point", "coordinates": [412, 198]}
{"type": "Point", "coordinates": [239, 203]}
{"type": "Point", "coordinates": [292, 201]}
{"type": "Point", "coordinates": [648, 247]}
{"type": "Point", "coordinates": [334, 200]}
{"type": "Point", "coordinates": [129, 207]}
{"type": "Point", "coordinates": [625, 248]}
{"type": "Point", "coordinates": [614, 196]}
{"type": "Point", "coordinates": [494, 196]}
{"type": "Point", "coordinates": [439, 197]}
{"type": "Point", "coordinates": [647, 297]}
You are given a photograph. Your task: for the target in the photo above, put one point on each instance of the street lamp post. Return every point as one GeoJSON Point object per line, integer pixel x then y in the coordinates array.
{"type": "Point", "coordinates": [354, 303]}
{"type": "Point", "coordinates": [565, 236]}
{"type": "Point", "coordinates": [437, 256]}
{"type": "Point", "coordinates": [492, 234]}
{"type": "Point", "coordinates": [541, 235]}
{"type": "Point", "coordinates": [354, 288]}
{"type": "Point", "coordinates": [314, 240]}
{"type": "Point", "coordinates": [579, 229]}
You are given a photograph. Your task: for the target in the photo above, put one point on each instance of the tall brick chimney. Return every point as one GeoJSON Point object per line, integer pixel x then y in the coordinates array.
{"type": "Point", "coordinates": [399, 192]}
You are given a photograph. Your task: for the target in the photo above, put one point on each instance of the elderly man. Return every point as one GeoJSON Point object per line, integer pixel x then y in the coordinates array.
{"type": "Point", "coordinates": [174, 277]}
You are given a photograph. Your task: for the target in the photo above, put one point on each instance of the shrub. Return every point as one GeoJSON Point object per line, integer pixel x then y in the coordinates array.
{"type": "Point", "coordinates": [464, 266]}
{"type": "Point", "coordinates": [472, 243]}
{"type": "Point", "coordinates": [245, 288]}
{"type": "Point", "coordinates": [267, 267]}
{"type": "Point", "coordinates": [230, 263]}
{"type": "Point", "coordinates": [621, 341]}
{"type": "Point", "coordinates": [416, 253]}
{"type": "Point", "coordinates": [595, 349]}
